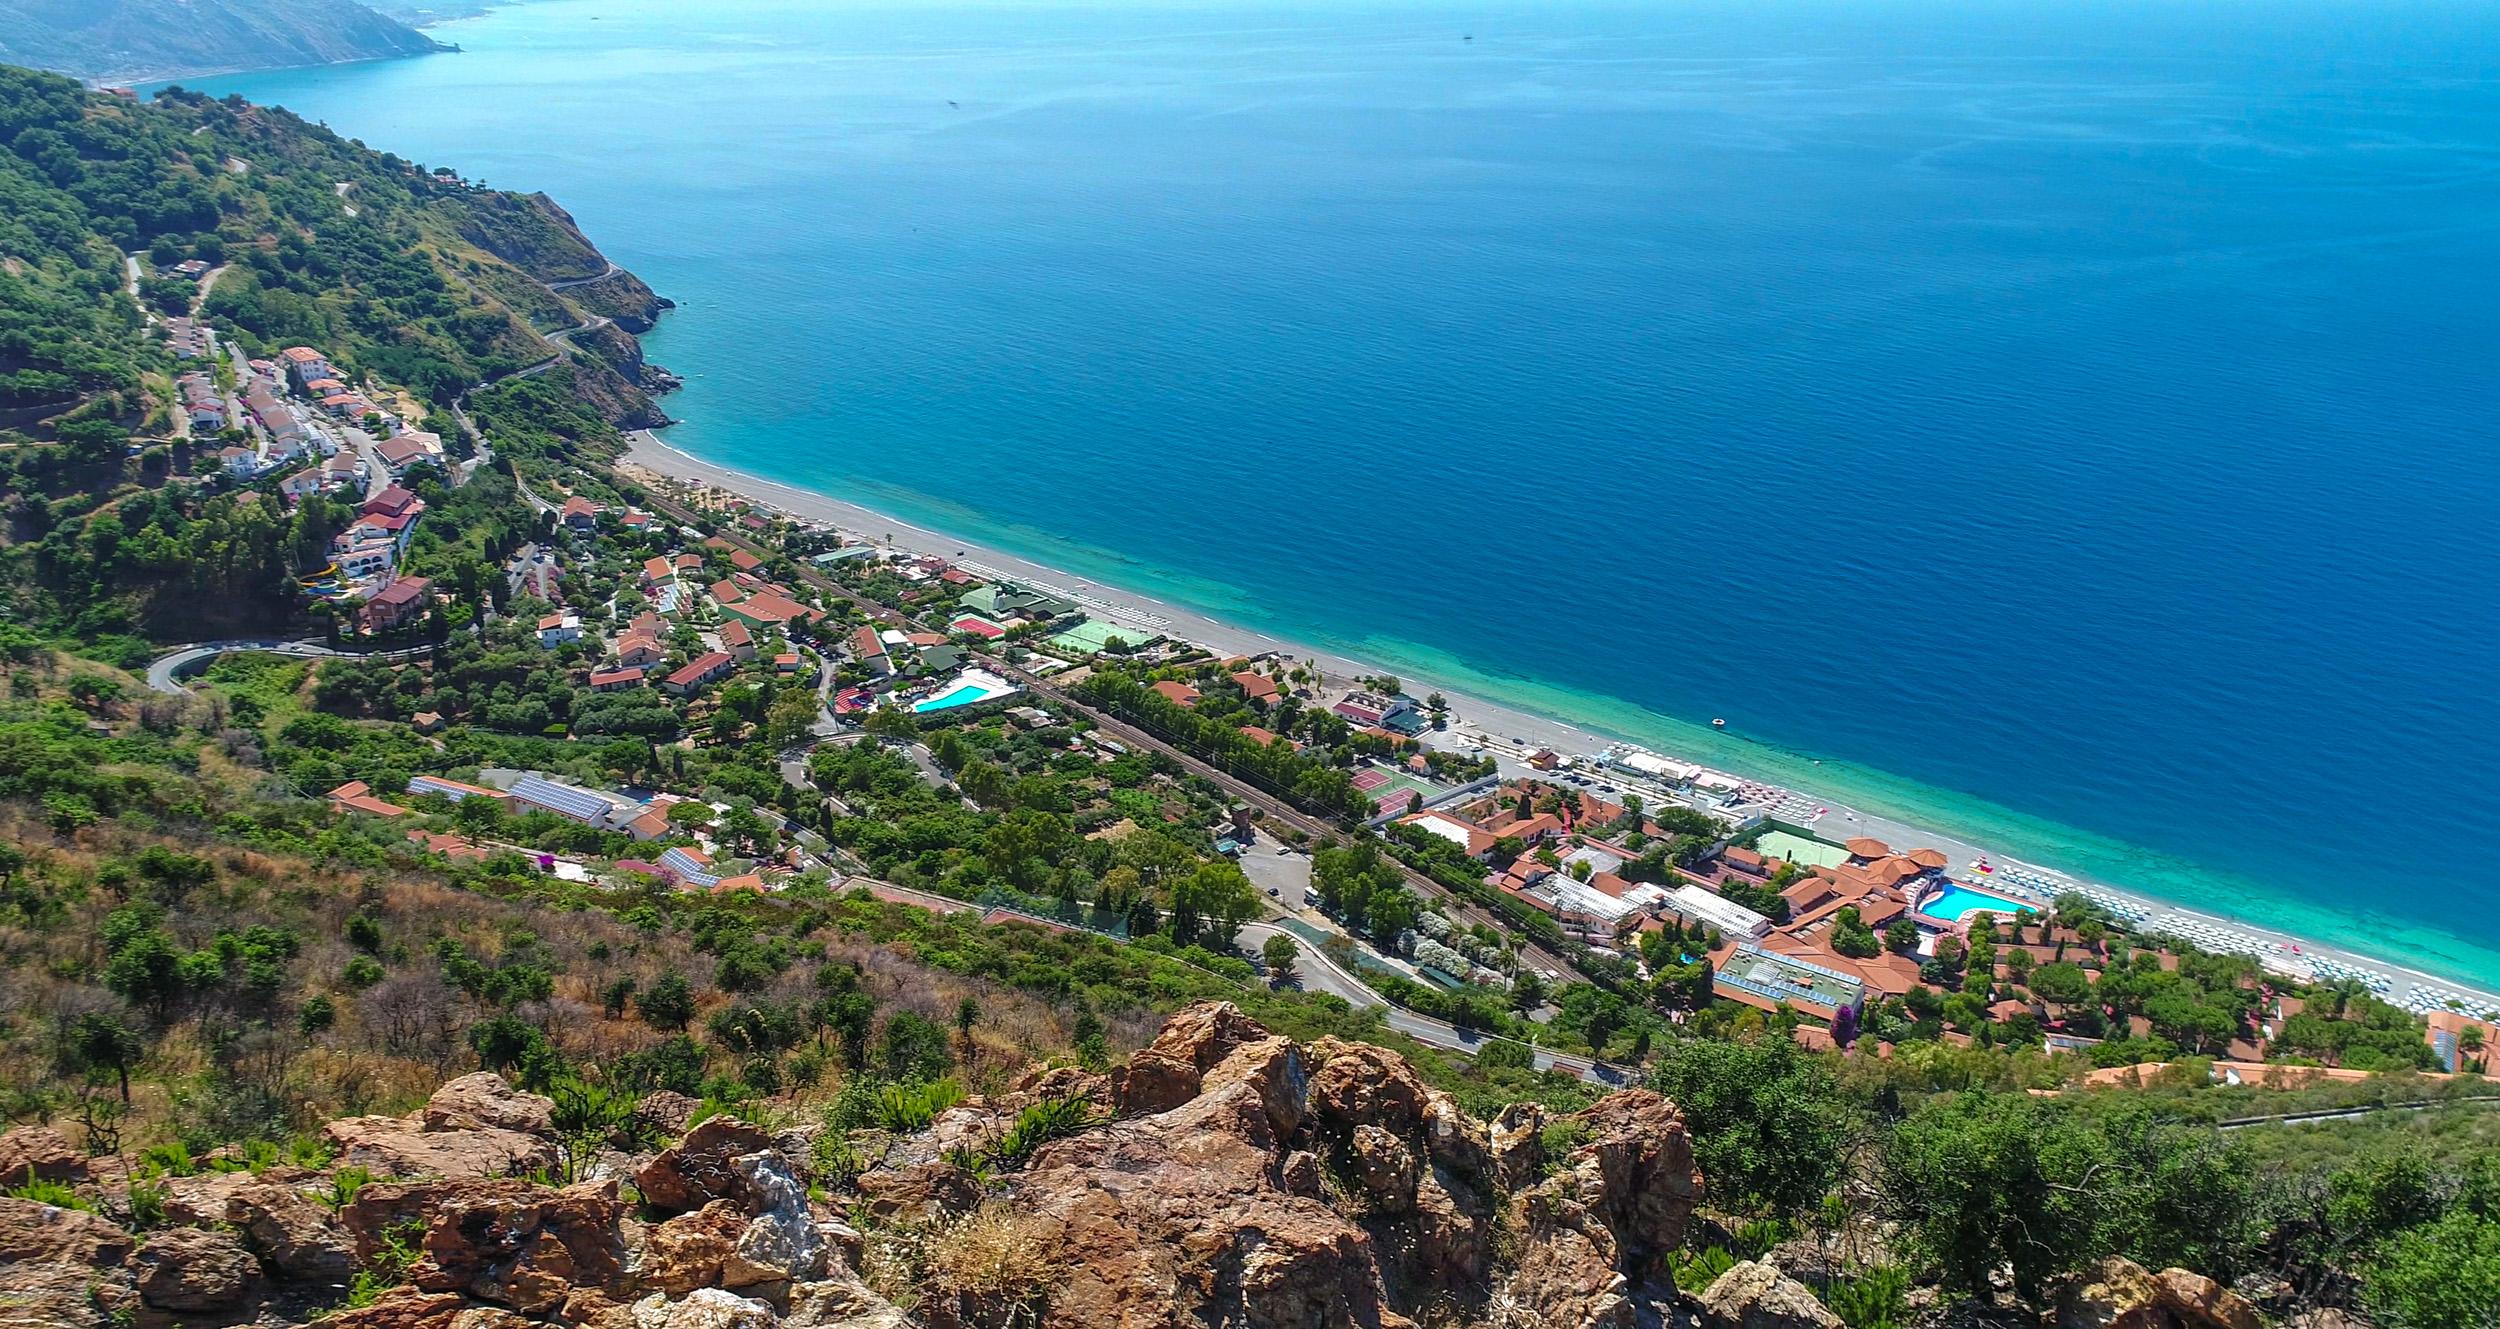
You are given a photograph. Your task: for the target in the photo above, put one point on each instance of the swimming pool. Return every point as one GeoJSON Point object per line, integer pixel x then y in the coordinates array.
{"type": "Point", "coordinates": [962, 694]}
{"type": "Point", "coordinates": [1957, 902]}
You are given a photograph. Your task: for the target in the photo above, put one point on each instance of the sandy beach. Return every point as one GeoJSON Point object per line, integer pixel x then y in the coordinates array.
{"type": "Point", "coordinates": [1510, 733]}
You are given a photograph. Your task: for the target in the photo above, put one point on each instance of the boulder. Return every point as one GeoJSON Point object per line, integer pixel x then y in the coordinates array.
{"type": "Point", "coordinates": [1168, 1072]}
{"type": "Point", "coordinates": [1153, 1081]}
{"type": "Point", "coordinates": [1044, 1083]}
{"type": "Point", "coordinates": [781, 1236]}
{"type": "Point", "coordinates": [193, 1269]}
{"type": "Point", "coordinates": [668, 1111]}
{"type": "Point", "coordinates": [1564, 1276]}
{"type": "Point", "coordinates": [920, 1194]}
{"type": "Point", "coordinates": [704, 1308]}
{"type": "Point", "coordinates": [1355, 1084]}
{"type": "Point", "coordinates": [2201, 1303]}
{"type": "Point", "coordinates": [39, 1153]}
{"type": "Point", "coordinates": [296, 1235]}
{"type": "Point", "coordinates": [483, 1099]}
{"type": "Point", "coordinates": [408, 1147]}
{"type": "Point", "coordinates": [1272, 1068]}
{"type": "Point", "coordinates": [693, 1250]}
{"type": "Point", "coordinates": [2114, 1294]}
{"type": "Point", "coordinates": [2118, 1293]}
{"type": "Point", "coordinates": [697, 1169]}
{"type": "Point", "coordinates": [509, 1243]}
{"type": "Point", "coordinates": [63, 1266]}
{"type": "Point", "coordinates": [841, 1303]}
{"type": "Point", "coordinates": [1755, 1295]}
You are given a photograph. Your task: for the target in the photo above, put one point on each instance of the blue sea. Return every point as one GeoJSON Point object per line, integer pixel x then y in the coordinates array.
{"type": "Point", "coordinates": [2069, 423]}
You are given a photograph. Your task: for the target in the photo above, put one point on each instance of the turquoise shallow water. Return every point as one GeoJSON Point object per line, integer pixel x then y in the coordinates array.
{"type": "Point", "coordinates": [2067, 425]}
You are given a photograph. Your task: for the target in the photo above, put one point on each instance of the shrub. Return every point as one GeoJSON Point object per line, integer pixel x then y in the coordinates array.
{"type": "Point", "coordinates": [1038, 1125]}
{"type": "Point", "coordinates": [906, 1108]}
{"type": "Point", "coordinates": [1875, 1299]}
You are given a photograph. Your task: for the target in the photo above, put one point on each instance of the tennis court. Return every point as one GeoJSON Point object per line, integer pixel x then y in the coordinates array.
{"type": "Point", "coordinates": [1091, 637]}
{"type": "Point", "coordinates": [979, 627]}
{"type": "Point", "coordinates": [1388, 789]}
{"type": "Point", "coordinates": [1801, 849]}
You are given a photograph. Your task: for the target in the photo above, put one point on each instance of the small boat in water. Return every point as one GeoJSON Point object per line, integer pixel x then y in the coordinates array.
{"type": "Point", "coordinates": [1716, 723]}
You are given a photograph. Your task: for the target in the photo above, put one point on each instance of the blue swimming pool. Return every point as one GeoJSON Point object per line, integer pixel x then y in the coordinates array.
{"type": "Point", "coordinates": [961, 695]}
{"type": "Point", "coordinates": [1956, 902]}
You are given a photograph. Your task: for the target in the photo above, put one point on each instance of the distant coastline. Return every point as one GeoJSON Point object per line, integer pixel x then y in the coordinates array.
{"type": "Point", "coordinates": [1564, 732]}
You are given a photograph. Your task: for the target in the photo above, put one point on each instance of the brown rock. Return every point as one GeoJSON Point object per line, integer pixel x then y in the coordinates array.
{"type": "Point", "coordinates": [1301, 1175]}
{"type": "Point", "coordinates": [2117, 1293]}
{"type": "Point", "coordinates": [1272, 1068]}
{"type": "Point", "coordinates": [62, 1266]}
{"type": "Point", "coordinates": [1044, 1083]}
{"type": "Point", "coordinates": [401, 1308]}
{"type": "Point", "coordinates": [2202, 1303]}
{"type": "Point", "coordinates": [295, 1234]}
{"type": "Point", "coordinates": [1754, 1295]}
{"type": "Point", "coordinates": [696, 1170]}
{"type": "Point", "coordinates": [483, 1099]}
{"type": "Point", "coordinates": [1177, 1218]}
{"type": "Point", "coordinates": [1516, 1143]}
{"type": "Point", "coordinates": [39, 1153]}
{"type": "Point", "coordinates": [691, 1250]}
{"type": "Point", "coordinates": [35, 1233]}
{"type": "Point", "coordinates": [1387, 1168]}
{"type": "Point", "coordinates": [205, 1199]}
{"type": "Point", "coordinates": [1153, 1081]}
{"type": "Point", "coordinates": [491, 1317]}
{"type": "Point", "coordinates": [507, 1242]}
{"type": "Point", "coordinates": [1565, 1275]}
{"type": "Point", "coordinates": [919, 1194]}
{"type": "Point", "coordinates": [193, 1269]}
{"type": "Point", "coordinates": [1357, 1084]}
{"type": "Point", "coordinates": [405, 1147]}
{"type": "Point", "coordinates": [1635, 1174]}
{"type": "Point", "coordinates": [1167, 1072]}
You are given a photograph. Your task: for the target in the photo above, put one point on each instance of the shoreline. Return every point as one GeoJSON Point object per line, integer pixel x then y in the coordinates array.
{"type": "Point", "coordinates": [1495, 720]}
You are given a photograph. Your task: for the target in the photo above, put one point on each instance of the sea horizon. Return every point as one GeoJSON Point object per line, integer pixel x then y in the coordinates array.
{"type": "Point", "coordinates": [885, 298]}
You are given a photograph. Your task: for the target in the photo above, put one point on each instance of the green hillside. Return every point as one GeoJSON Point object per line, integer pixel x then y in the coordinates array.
{"type": "Point", "coordinates": [135, 40]}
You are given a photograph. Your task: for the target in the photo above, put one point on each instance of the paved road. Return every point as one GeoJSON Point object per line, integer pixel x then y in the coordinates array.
{"type": "Point", "coordinates": [570, 283]}
{"type": "Point", "coordinates": [165, 675]}
{"type": "Point", "coordinates": [1315, 972]}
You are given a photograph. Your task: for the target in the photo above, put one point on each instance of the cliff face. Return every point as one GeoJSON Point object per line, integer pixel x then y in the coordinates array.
{"type": "Point", "coordinates": [134, 40]}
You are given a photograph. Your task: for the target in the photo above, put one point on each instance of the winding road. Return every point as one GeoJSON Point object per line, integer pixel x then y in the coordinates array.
{"type": "Point", "coordinates": [165, 673]}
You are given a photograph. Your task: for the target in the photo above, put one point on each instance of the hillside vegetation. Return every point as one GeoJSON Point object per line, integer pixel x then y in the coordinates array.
{"type": "Point", "coordinates": [117, 41]}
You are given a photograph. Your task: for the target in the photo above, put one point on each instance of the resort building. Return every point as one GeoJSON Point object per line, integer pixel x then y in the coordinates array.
{"type": "Point", "coordinates": [357, 796]}
{"type": "Point", "coordinates": [455, 790]}
{"type": "Point", "coordinates": [536, 793]}
{"type": "Point", "coordinates": [1697, 904]}
{"type": "Point", "coordinates": [868, 649]}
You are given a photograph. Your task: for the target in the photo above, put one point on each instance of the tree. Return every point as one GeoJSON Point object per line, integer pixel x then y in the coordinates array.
{"type": "Point", "coordinates": [1984, 1181]}
{"type": "Point", "coordinates": [103, 1042]}
{"type": "Point", "coordinates": [1902, 936]}
{"type": "Point", "coordinates": [1768, 1122]}
{"type": "Point", "coordinates": [2445, 1275]}
{"type": "Point", "coordinates": [666, 1004]}
{"type": "Point", "coordinates": [1280, 951]}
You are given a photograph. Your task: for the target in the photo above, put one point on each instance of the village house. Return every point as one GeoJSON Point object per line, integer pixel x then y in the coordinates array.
{"type": "Point", "coordinates": [579, 514]}
{"type": "Point", "coordinates": [616, 680]}
{"type": "Point", "coordinates": [1398, 715]}
{"type": "Point", "coordinates": [701, 670]}
{"type": "Point", "coordinates": [868, 649]}
{"type": "Point", "coordinates": [357, 796]}
{"type": "Point", "coordinates": [556, 629]}
{"type": "Point", "coordinates": [736, 639]}
{"type": "Point", "coordinates": [396, 605]}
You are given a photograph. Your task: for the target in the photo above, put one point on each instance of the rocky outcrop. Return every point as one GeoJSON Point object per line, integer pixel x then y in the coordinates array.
{"type": "Point", "coordinates": [474, 1126]}
{"type": "Point", "coordinates": [39, 1153]}
{"type": "Point", "coordinates": [2118, 1293]}
{"type": "Point", "coordinates": [193, 1269]}
{"type": "Point", "coordinates": [1238, 1178]}
{"type": "Point", "coordinates": [1755, 1295]}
